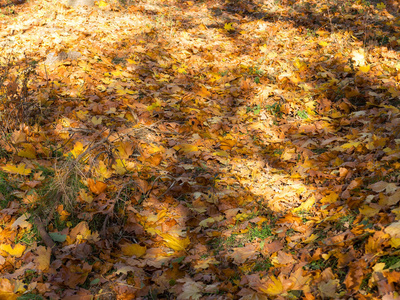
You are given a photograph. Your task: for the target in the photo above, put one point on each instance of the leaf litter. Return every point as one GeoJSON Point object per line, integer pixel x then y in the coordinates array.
{"type": "Point", "coordinates": [200, 150]}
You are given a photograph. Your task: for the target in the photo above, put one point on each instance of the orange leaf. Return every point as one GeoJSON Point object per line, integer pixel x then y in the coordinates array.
{"type": "Point", "coordinates": [96, 187]}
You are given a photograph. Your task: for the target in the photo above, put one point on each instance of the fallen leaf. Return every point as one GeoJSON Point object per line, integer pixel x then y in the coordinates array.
{"type": "Point", "coordinates": [133, 250]}
{"type": "Point", "coordinates": [96, 187]}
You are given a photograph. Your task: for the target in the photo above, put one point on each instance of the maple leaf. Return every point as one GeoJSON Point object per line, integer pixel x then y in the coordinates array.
{"type": "Point", "coordinates": [229, 27]}
{"type": "Point", "coordinates": [328, 289]}
{"type": "Point", "coordinates": [96, 187]}
{"type": "Point", "coordinates": [272, 287]}
{"type": "Point", "coordinates": [133, 250]}
{"type": "Point", "coordinates": [175, 243]}
{"type": "Point", "coordinates": [97, 121]}
{"type": "Point", "coordinates": [16, 251]}
{"type": "Point", "coordinates": [205, 263]}
{"type": "Point", "coordinates": [21, 169]}
{"type": "Point", "coordinates": [77, 150]}
{"type": "Point", "coordinates": [43, 258]}
{"type": "Point", "coordinates": [380, 6]}
{"type": "Point", "coordinates": [85, 197]}
{"type": "Point", "coordinates": [191, 289]}
{"type": "Point", "coordinates": [241, 254]}
{"type": "Point", "coordinates": [28, 152]}
{"type": "Point", "coordinates": [21, 222]}
{"type": "Point", "coordinates": [365, 69]}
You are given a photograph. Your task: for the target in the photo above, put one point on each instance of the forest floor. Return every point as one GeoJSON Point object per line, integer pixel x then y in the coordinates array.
{"type": "Point", "coordinates": [200, 150]}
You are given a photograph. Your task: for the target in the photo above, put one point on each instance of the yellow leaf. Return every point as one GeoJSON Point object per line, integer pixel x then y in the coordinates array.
{"type": "Point", "coordinates": [368, 211]}
{"type": "Point", "coordinates": [97, 121]}
{"type": "Point", "coordinates": [381, 6]}
{"type": "Point", "coordinates": [186, 148]}
{"type": "Point", "coordinates": [201, 27]}
{"type": "Point", "coordinates": [78, 149]}
{"type": "Point", "coordinates": [133, 249]}
{"type": "Point", "coordinates": [182, 70]}
{"type": "Point", "coordinates": [323, 43]}
{"type": "Point", "coordinates": [21, 170]}
{"type": "Point", "coordinates": [85, 197]}
{"type": "Point", "coordinates": [311, 238]}
{"type": "Point", "coordinates": [101, 88]}
{"type": "Point", "coordinates": [175, 243]}
{"type": "Point", "coordinates": [330, 198]}
{"type": "Point", "coordinates": [229, 27]}
{"type": "Point", "coordinates": [103, 171]}
{"type": "Point", "coordinates": [365, 69]}
{"type": "Point", "coordinates": [28, 152]}
{"type": "Point", "coordinates": [305, 206]}
{"type": "Point", "coordinates": [221, 153]}
{"type": "Point", "coordinates": [395, 242]}
{"type": "Point", "coordinates": [125, 149]}
{"type": "Point", "coordinates": [264, 49]}
{"type": "Point", "coordinates": [273, 288]}
{"type": "Point", "coordinates": [43, 258]}
{"type": "Point", "coordinates": [120, 166]}
{"type": "Point", "coordinates": [346, 146]}
{"type": "Point", "coordinates": [17, 251]}
{"type": "Point", "coordinates": [102, 4]}
{"type": "Point", "coordinates": [154, 105]}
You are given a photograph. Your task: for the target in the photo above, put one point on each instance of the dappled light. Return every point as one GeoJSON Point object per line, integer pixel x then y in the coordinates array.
{"type": "Point", "coordinates": [199, 150]}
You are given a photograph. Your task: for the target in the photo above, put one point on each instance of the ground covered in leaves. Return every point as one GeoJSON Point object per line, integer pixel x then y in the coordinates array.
{"type": "Point", "coordinates": [200, 150]}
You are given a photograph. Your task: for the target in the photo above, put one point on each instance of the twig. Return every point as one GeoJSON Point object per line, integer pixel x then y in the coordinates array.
{"type": "Point", "coordinates": [43, 234]}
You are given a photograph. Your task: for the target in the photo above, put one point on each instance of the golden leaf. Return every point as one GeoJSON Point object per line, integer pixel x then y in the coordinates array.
{"type": "Point", "coordinates": [273, 288]}
{"type": "Point", "coordinates": [186, 148]}
{"type": "Point", "coordinates": [78, 149]}
{"type": "Point", "coordinates": [133, 249]}
{"type": "Point", "coordinates": [120, 166]}
{"type": "Point", "coordinates": [365, 69]}
{"type": "Point", "coordinates": [175, 243]}
{"type": "Point", "coordinates": [323, 43]}
{"type": "Point", "coordinates": [305, 206]}
{"type": "Point", "coordinates": [17, 251]}
{"type": "Point", "coordinates": [28, 152]}
{"type": "Point", "coordinates": [21, 170]}
{"type": "Point", "coordinates": [43, 258]}
{"type": "Point", "coordinates": [85, 197]}
{"type": "Point", "coordinates": [229, 27]}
